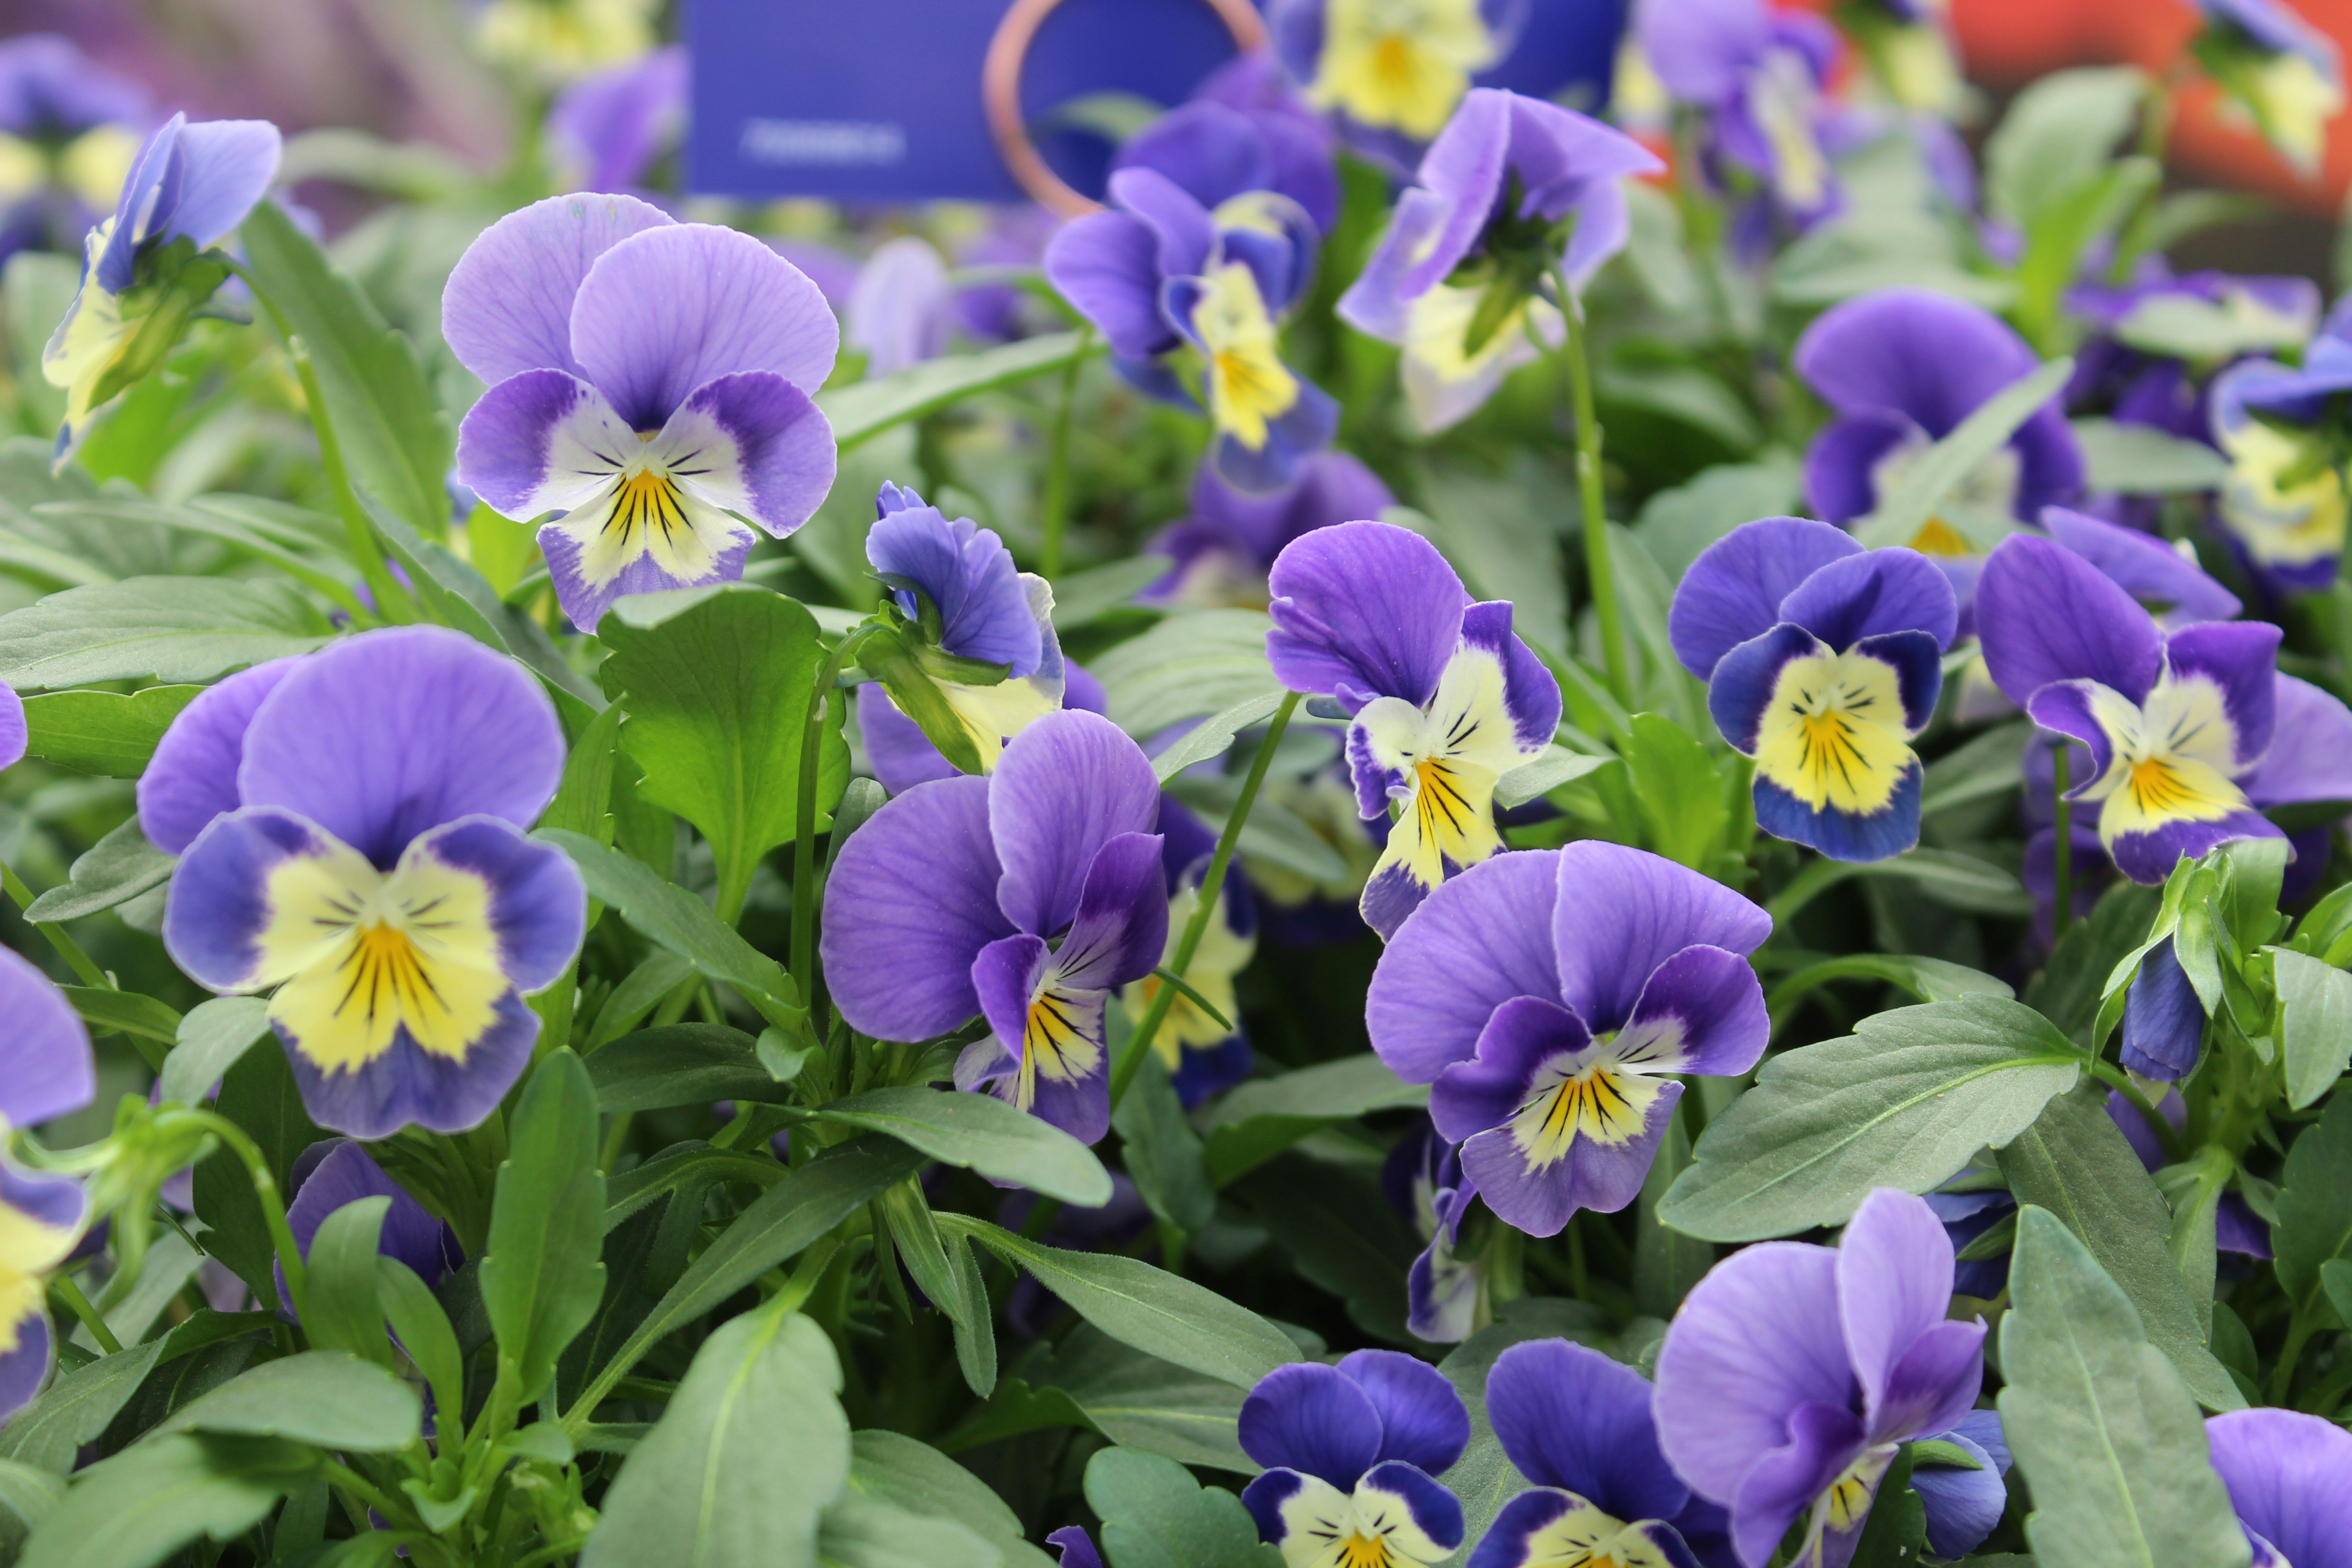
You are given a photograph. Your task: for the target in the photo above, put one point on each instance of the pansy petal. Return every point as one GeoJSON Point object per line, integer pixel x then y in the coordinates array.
{"type": "Point", "coordinates": [408, 1084]}
{"type": "Point", "coordinates": [756, 444]}
{"type": "Point", "coordinates": [347, 1175]}
{"type": "Point", "coordinates": [2147, 855]}
{"type": "Point", "coordinates": [220, 923]}
{"type": "Point", "coordinates": [1364, 610]}
{"type": "Point", "coordinates": [1541, 1195]}
{"type": "Point", "coordinates": [1075, 1546]}
{"type": "Point", "coordinates": [1413, 1516]}
{"type": "Point", "coordinates": [1570, 1417]}
{"type": "Point", "coordinates": [538, 904]}
{"type": "Point", "coordinates": [192, 777]}
{"type": "Point", "coordinates": [1622, 912]}
{"type": "Point", "coordinates": [507, 308]}
{"type": "Point", "coordinates": [2240, 659]}
{"type": "Point", "coordinates": [1932, 356]}
{"type": "Point", "coordinates": [1963, 1506]}
{"type": "Point", "coordinates": [2144, 566]}
{"type": "Point", "coordinates": [1842, 835]}
{"type": "Point", "coordinates": [2285, 1471]}
{"type": "Point", "coordinates": [1304, 429]}
{"type": "Point", "coordinates": [668, 309]}
{"type": "Point", "coordinates": [1106, 265]}
{"type": "Point", "coordinates": [1733, 591]}
{"type": "Point", "coordinates": [1479, 941]}
{"type": "Point", "coordinates": [1916, 660]}
{"type": "Point", "coordinates": [969, 575]}
{"type": "Point", "coordinates": [230, 166]}
{"type": "Point", "coordinates": [1443, 1294]}
{"type": "Point", "coordinates": [2310, 756]}
{"type": "Point", "coordinates": [1934, 1382]}
{"type": "Point", "coordinates": [1821, 1441]}
{"type": "Point", "coordinates": [896, 748]}
{"type": "Point", "coordinates": [45, 1066]}
{"type": "Point", "coordinates": [2164, 1022]}
{"type": "Point", "coordinates": [27, 1346]}
{"type": "Point", "coordinates": [1864, 595]}
{"type": "Point", "coordinates": [1423, 1421]}
{"type": "Point", "coordinates": [910, 904]}
{"type": "Point", "coordinates": [43, 1214]}
{"type": "Point", "coordinates": [1183, 233]}
{"type": "Point", "coordinates": [683, 543]}
{"type": "Point", "coordinates": [1702, 1011]}
{"type": "Point", "coordinates": [1894, 1279]}
{"type": "Point", "coordinates": [542, 441]}
{"type": "Point", "coordinates": [1005, 977]}
{"type": "Point", "coordinates": [1842, 463]}
{"type": "Point", "coordinates": [1120, 928]}
{"type": "Point", "coordinates": [1542, 1528]}
{"type": "Point", "coordinates": [13, 733]}
{"type": "Point", "coordinates": [1066, 785]}
{"type": "Point", "coordinates": [1530, 690]}
{"type": "Point", "coordinates": [1746, 678]}
{"type": "Point", "coordinates": [2085, 711]}
{"type": "Point", "coordinates": [1312, 1418]}
{"type": "Point", "coordinates": [1520, 1035]}
{"type": "Point", "coordinates": [2044, 615]}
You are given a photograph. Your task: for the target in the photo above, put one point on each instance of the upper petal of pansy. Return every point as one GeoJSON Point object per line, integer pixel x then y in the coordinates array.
{"type": "Point", "coordinates": [1477, 942]}
{"type": "Point", "coordinates": [969, 577]}
{"type": "Point", "coordinates": [897, 751]}
{"type": "Point", "coordinates": [1842, 462]}
{"type": "Point", "coordinates": [910, 904]}
{"type": "Point", "coordinates": [1932, 356]}
{"type": "Point", "coordinates": [2310, 755]}
{"type": "Point", "coordinates": [507, 307]}
{"type": "Point", "coordinates": [392, 732]}
{"type": "Point", "coordinates": [756, 444]}
{"type": "Point", "coordinates": [1530, 690]}
{"type": "Point", "coordinates": [669, 309]}
{"type": "Point", "coordinates": [2045, 613]}
{"type": "Point", "coordinates": [1364, 610]}
{"type": "Point", "coordinates": [2285, 1471]}
{"type": "Point", "coordinates": [1883, 591]}
{"type": "Point", "coordinates": [1075, 1546]}
{"type": "Point", "coordinates": [46, 1068]}
{"type": "Point", "coordinates": [1066, 786]}
{"type": "Point", "coordinates": [1622, 912]}
{"type": "Point", "coordinates": [229, 165]}
{"type": "Point", "coordinates": [1733, 591]}
{"type": "Point", "coordinates": [1185, 234]}
{"type": "Point", "coordinates": [1702, 1011]}
{"type": "Point", "coordinates": [192, 777]}
{"type": "Point", "coordinates": [1379, 303]}
{"type": "Point", "coordinates": [1422, 1420]}
{"type": "Point", "coordinates": [1106, 266]}
{"type": "Point", "coordinates": [27, 1344]}
{"type": "Point", "coordinates": [1312, 1418]}
{"type": "Point", "coordinates": [1756, 1339]}
{"type": "Point", "coordinates": [2149, 570]}
{"type": "Point", "coordinates": [1895, 1282]}
{"type": "Point", "coordinates": [542, 441]}
{"type": "Point", "coordinates": [538, 906]}
{"type": "Point", "coordinates": [346, 1175]}
{"type": "Point", "coordinates": [1570, 1417]}
{"type": "Point", "coordinates": [2240, 659]}
{"type": "Point", "coordinates": [1210, 150]}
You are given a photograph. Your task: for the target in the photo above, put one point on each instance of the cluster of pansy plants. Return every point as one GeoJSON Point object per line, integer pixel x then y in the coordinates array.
{"type": "Point", "coordinates": [1526, 819]}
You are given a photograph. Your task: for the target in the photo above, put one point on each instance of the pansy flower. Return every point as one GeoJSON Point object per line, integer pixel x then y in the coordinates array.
{"type": "Point", "coordinates": [650, 381]}
{"type": "Point", "coordinates": [368, 861]}
{"type": "Point", "coordinates": [1447, 1294]}
{"type": "Point", "coordinates": [1909, 46]}
{"type": "Point", "coordinates": [14, 734]}
{"type": "Point", "coordinates": [1545, 995]}
{"type": "Point", "coordinates": [2173, 724]}
{"type": "Point", "coordinates": [2283, 429]}
{"type": "Point", "coordinates": [609, 128]}
{"type": "Point", "coordinates": [2278, 70]}
{"type": "Point", "coordinates": [1793, 1373]}
{"type": "Point", "coordinates": [1823, 661]}
{"type": "Point", "coordinates": [899, 306]}
{"type": "Point", "coordinates": [45, 1071]}
{"type": "Point", "coordinates": [1159, 273]}
{"type": "Point", "coordinates": [1578, 1424]}
{"type": "Point", "coordinates": [335, 1172]}
{"type": "Point", "coordinates": [1390, 73]}
{"type": "Point", "coordinates": [1351, 1454]}
{"type": "Point", "coordinates": [1245, 129]}
{"type": "Point", "coordinates": [1901, 368]}
{"type": "Point", "coordinates": [69, 133]}
{"type": "Point", "coordinates": [1226, 545]}
{"type": "Point", "coordinates": [192, 183]}
{"type": "Point", "coordinates": [1515, 190]}
{"type": "Point", "coordinates": [1444, 698]}
{"type": "Point", "coordinates": [1025, 898]}
{"type": "Point", "coordinates": [1759, 74]}
{"type": "Point", "coordinates": [2285, 1472]}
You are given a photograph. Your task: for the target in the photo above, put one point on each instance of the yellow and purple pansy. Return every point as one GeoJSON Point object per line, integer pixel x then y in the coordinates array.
{"type": "Point", "coordinates": [650, 381]}
{"type": "Point", "coordinates": [1351, 1454]}
{"type": "Point", "coordinates": [2278, 70]}
{"type": "Point", "coordinates": [1760, 75]}
{"type": "Point", "coordinates": [1444, 698]}
{"type": "Point", "coordinates": [1245, 129]}
{"type": "Point", "coordinates": [2280, 426]}
{"type": "Point", "coordinates": [45, 1071]}
{"type": "Point", "coordinates": [1447, 1297]}
{"type": "Point", "coordinates": [1545, 996]}
{"type": "Point", "coordinates": [70, 130]}
{"type": "Point", "coordinates": [1823, 659]}
{"type": "Point", "coordinates": [1229, 539]}
{"type": "Point", "coordinates": [1390, 72]}
{"type": "Point", "coordinates": [350, 831]}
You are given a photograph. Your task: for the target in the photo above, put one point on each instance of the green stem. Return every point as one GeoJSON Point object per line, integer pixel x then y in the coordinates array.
{"type": "Point", "coordinates": [65, 1290]}
{"type": "Point", "coordinates": [805, 821]}
{"type": "Point", "coordinates": [1815, 878]}
{"type": "Point", "coordinates": [367, 551]}
{"type": "Point", "coordinates": [265, 1192]}
{"type": "Point", "coordinates": [1597, 565]}
{"type": "Point", "coordinates": [2062, 860]}
{"type": "Point", "coordinates": [1058, 463]}
{"type": "Point", "coordinates": [68, 949]}
{"type": "Point", "coordinates": [1131, 1060]}
{"type": "Point", "coordinates": [350, 1482]}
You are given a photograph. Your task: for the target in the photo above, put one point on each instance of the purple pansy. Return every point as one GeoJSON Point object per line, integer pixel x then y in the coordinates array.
{"type": "Point", "coordinates": [899, 306]}
{"type": "Point", "coordinates": [650, 381]}
{"type": "Point", "coordinates": [1793, 1373]}
{"type": "Point", "coordinates": [1351, 1454]}
{"type": "Point", "coordinates": [331, 1175]}
{"type": "Point", "coordinates": [68, 122]}
{"type": "Point", "coordinates": [2173, 724]}
{"type": "Point", "coordinates": [1075, 1547]}
{"type": "Point", "coordinates": [16, 735]}
{"type": "Point", "coordinates": [1823, 661]}
{"type": "Point", "coordinates": [1245, 129]}
{"type": "Point", "coordinates": [1759, 75]}
{"type": "Point", "coordinates": [366, 858]}
{"type": "Point", "coordinates": [611, 126]}
{"type": "Point", "coordinates": [1224, 548]}
{"type": "Point", "coordinates": [2286, 1474]}
{"type": "Point", "coordinates": [2283, 502]}
{"type": "Point", "coordinates": [1515, 188]}
{"type": "Point", "coordinates": [1390, 73]}
{"type": "Point", "coordinates": [2137, 386]}
{"type": "Point", "coordinates": [1545, 995]}
{"type": "Point", "coordinates": [1445, 699]}
{"type": "Point", "coordinates": [1446, 1298]}
{"type": "Point", "coordinates": [1578, 1425]}
{"type": "Point", "coordinates": [1159, 273]}
{"type": "Point", "coordinates": [45, 1071]}
{"type": "Point", "coordinates": [1025, 898]}
{"type": "Point", "coordinates": [1902, 368]}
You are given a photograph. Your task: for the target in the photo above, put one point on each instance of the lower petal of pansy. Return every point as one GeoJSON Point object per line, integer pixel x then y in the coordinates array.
{"type": "Point", "coordinates": [408, 1084]}
{"type": "Point", "coordinates": [1304, 428]}
{"type": "Point", "coordinates": [2148, 855]}
{"type": "Point", "coordinates": [640, 534]}
{"type": "Point", "coordinates": [1834, 767]}
{"type": "Point", "coordinates": [41, 1217]}
{"type": "Point", "coordinates": [1314, 1524]}
{"type": "Point", "coordinates": [1547, 1528]}
{"type": "Point", "coordinates": [1843, 836]}
{"type": "Point", "coordinates": [27, 1346]}
{"type": "Point", "coordinates": [1051, 1033]}
{"type": "Point", "coordinates": [1584, 1141]}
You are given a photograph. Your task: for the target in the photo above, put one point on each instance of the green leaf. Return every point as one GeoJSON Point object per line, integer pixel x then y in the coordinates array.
{"type": "Point", "coordinates": [717, 684]}
{"type": "Point", "coordinates": [683, 925]}
{"type": "Point", "coordinates": [1667, 1263]}
{"type": "Point", "coordinates": [2060, 129]}
{"type": "Point", "coordinates": [1928, 979]}
{"type": "Point", "coordinates": [583, 802]}
{"type": "Point", "coordinates": [1504, 532]}
{"type": "Point", "coordinates": [1156, 1516]}
{"type": "Point", "coordinates": [1681, 794]}
{"type": "Point", "coordinates": [1980, 767]}
{"type": "Point", "coordinates": [750, 1451]}
{"type": "Point", "coordinates": [168, 629]}
{"type": "Point", "coordinates": [26, 1495]}
{"type": "Point", "coordinates": [1213, 736]}
{"type": "Point", "coordinates": [1905, 1101]}
{"type": "Point", "coordinates": [1675, 525]}
{"type": "Point", "coordinates": [687, 1166]}
{"type": "Point", "coordinates": [2068, 989]}
{"type": "Point", "coordinates": [983, 1134]}
{"type": "Point", "coordinates": [864, 410]}
{"type": "Point", "coordinates": [1209, 661]}
{"type": "Point", "coordinates": [543, 1276]}
{"type": "Point", "coordinates": [681, 1064]}
{"type": "Point", "coordinates": [125, 1010]}
{"type": "Point", "coordinates": [236, 522]}
{"type": "Point", "coordinates": [1531, 781]}
{"type": "Point", "coordinates": [1162, 1154]}
{"type": "Point", "coordinates": [340, 1307]}
{"type": "Point", "coordinates": [2140, 460]}
{"type": "Point", "coordinates": [213, 1037]}
{"type": "Point", "coordinates": [115, 870]}
{"type": "Point", "coordinates": [136, 1508]}
{"type": "Point", "coordinates": [1929, 483]}
{"type": "Point", "coordinates": [408, 1304]}
{"type": "Point", "coordinates": [329, 1398]}
{"type": "Point", "coordinates": [1334, 1228]}
{"type": "Point", "coordinates": [947, 1273]}
{"type": "Point", "coordinates": [260, 1095]}
{"type": "Point", "coordinates": [1267, 1115]}
{"type": "Point", "coordinates": [1083, 597]}
{"type": "Point", "coordinates": [2336, 1278]}
{"type": "Point", "coordinates": [896, 1469]}
{"type": "Point", "coordinates": [102, 732]}
{"type": "Point", "coordinates": [2314, 1207]}
{"type": "Point", "coordinates": [863, 1533]}
{"type": "Point", "coordinates": [394, 437]}
{"type": "Point", "coordinates": [1169, 1316]}
{"type": "Point", "coordinates": [1139, 1401]}
{"type": "Point", "coordinates": [2314, 1003]}
{"type": "Point", "coordinates": [2110, 1442]}
{"type": "Point", "coordinates": [2075, 1164]}
{"type": "Point", "coordinates": [75, 1409]}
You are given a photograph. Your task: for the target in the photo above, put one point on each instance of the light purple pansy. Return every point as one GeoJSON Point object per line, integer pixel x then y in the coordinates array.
{"type": "Point", "coordinates": [1423, 289]}
{"type": "Point", "coordinates": [1245, 129]}
{"type": "Point", "coordinates": [1902, 368]}
{"type": "Point", "coordinates": [1224, 547]}
{"type": "Point", "coordinates": [1444, 698]}
{"type": "Point", "coordinates": [2286, 1474]}
{"type": "Point", "coordinates": [1760, 75]}
{"type": "Point", "coordinates": [651, 381]}
{"type": "Point", "coordinates": [1545, 995]}
{"type": "Point", "coordinates": [899, 306]}
{"type": "Point", "coordinates": [2172, 723]}
{"type": "Point", "coordinates": [610, 127]}
{"type": "Point", "coordinates": [68, 107]}
{"type": "Point", "coordinates": [45, 1071]}
{"type": "Point", "coordinates": [16, 735]}
{"type": "Point", "coordinates": [367, 859]}
{"type": "Point", "coordinates": [2284, 502]}
{"type": "Point", "coordinates": [1823, 661]}
{"type": "Point", "coordinates": [1351, 1454]}
{"type": "Point", "coordinates": [1024, 899]}
{"type": "Point", "coordinates": [1793, 1373]}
